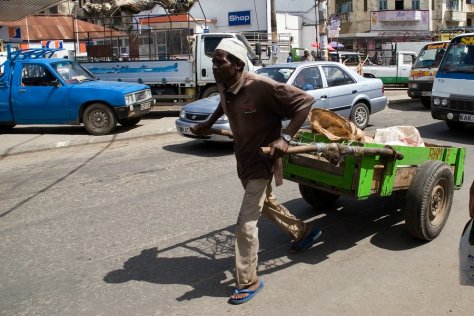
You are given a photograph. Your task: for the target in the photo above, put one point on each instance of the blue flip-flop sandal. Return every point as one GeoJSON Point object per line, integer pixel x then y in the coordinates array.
{"type": "Point", "coordinates": [251, 294]}
{"type": "Point", "coordinates": [303, 244]}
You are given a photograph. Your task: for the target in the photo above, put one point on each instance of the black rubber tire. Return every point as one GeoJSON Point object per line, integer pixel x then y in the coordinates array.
{"type": "Point", "coordinates": [360, 115]}
{"type": "Point", "coordinates": [455, 126]}
{"type": "Point", "coordinates": [317, 198]}
{"type": "Point", "coordinates": [6, 128]}
{"type": "Point", "coordinates": [212, 90]}
{"type": "Point", "coordinates": [99, 119]}
{"type": "Point", "coordinates": [426, 103]}
{"type": "Point", "coordinates": [130, 122]}
{"type": "Point", "coordinates": [429, 199]}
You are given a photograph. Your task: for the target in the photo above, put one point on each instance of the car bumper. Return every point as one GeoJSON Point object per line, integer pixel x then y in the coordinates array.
{"type": "Point", "coordinates": [184, 129]}
{"type": "Point", "coordinates": [378, 104]}
{"type": "Point", "coordinates": [130, 111]}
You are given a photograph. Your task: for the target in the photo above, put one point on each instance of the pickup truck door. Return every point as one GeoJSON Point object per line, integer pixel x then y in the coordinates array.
{"type": "Point", "coordinates": [205, 47]}
{"type": "Point", "coordinates": [5, 112]}
{"type": "Point", "coordinates": [38, 96]}
{"type": "Point", "coordinates": [309, 79]}
{"type": "Point", "coordinates": [405, 61]}
{"type": "Point", "coordinates": [341, 88]}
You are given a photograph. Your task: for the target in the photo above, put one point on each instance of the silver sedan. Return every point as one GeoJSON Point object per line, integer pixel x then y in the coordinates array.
{"type": "Point", "coordinates": [333, 85]}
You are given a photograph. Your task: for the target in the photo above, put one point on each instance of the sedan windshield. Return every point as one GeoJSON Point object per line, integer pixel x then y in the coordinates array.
{"type": "Point", "coordinates": [281, 74]}
{"type": "Point", "coordinates": [72, 72]}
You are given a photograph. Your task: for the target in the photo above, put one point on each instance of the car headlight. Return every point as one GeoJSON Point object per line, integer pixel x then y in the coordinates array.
{"type": "Point", "coordinates": [182, 113]}
{"type": "Point", "coordinates": [413, 85]}
{"type": "Point", "coordinates": [129, 98]}
{"type": "Point", "coordinates": [436, 101]}
{"type": "Point", "coordinates": [444, 102]}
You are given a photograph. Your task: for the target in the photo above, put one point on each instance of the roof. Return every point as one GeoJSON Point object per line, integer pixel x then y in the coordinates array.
{"type": "Point", "coordinates": [37, 28]}
{"type": "Point", "coordinates": [14, 10]}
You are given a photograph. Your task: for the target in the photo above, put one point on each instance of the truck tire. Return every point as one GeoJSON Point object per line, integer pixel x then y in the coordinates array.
{"type": "Point", "coordinates": [212, 90]}
{"type": "Point", "coordinates": [426, 103]}
{"type": "Point", "coordinates": [429, 199]}
{"type": "Point", "coordinates": [360, 115]}
{"type": "Point", "coordinates": [99, 119]}
{"type": "Point", "coordinates": [130, 122]}
{"type": "Point", "coordinates": [317, 198]}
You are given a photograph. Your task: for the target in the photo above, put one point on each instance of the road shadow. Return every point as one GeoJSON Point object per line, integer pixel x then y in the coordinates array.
{"type": "Point", "coordinates": [61, 130]}
{"type": "Point", "coordinates": [156, 115]}
{"type": "Point", "coordinates": [206, 263]}
{"type": "Point", "coordinates": [201, 148]}
{"type": "Point", "coordinates": [438, 130]}
{"type": "Point", "coordinates": [408, 106]}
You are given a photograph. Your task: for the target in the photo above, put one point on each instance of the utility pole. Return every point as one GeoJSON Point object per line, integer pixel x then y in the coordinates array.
{"type": "Point", "coordinates": [316, 15]}
{"type": "Point", "coordinates": [323, 10]}
{"type": "Point", "coordinates": [273, 24]}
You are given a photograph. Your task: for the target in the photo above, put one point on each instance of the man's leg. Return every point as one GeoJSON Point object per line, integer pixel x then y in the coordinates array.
{"type": "Point", "coordinates": [276, 212]}
{"type": "Point", "coordinates": [304, 234]}
{"type": "Point", "coordinates": [246, 233]}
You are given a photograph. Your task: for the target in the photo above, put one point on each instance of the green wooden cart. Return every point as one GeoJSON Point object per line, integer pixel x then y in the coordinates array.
{"type": "Point", "coordinates": [428, 176]}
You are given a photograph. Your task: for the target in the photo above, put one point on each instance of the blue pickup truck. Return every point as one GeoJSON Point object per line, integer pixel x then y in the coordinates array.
{"type": "Point", "coordinates": [38, 89]}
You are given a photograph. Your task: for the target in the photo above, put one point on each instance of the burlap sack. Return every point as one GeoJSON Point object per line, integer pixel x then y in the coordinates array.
{"type": "Point", "coordinates": [335, 127]}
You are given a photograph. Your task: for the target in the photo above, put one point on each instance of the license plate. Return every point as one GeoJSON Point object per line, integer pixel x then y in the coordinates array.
{"type": "Point", "coordinates": [184, 130]}
{"type": "Point", "coordinates": [145, 106]}
{"type": "Point", "coordinates": [466, 118]}
{"type": "Point", "coordinates": [426, 93]}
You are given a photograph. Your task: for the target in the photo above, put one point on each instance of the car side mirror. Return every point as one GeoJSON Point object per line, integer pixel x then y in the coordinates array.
{"type": "Point", "coordinates": [258, 49]}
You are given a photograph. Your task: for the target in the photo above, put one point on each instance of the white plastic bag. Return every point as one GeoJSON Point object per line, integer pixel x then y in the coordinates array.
{"type": "Point", "coordinates": [466, 255]}
{"type": "Point", "coordinates": [399, 135]}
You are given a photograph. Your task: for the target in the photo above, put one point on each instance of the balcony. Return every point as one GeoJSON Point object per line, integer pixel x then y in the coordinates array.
{"type": "Point", "coordinates": [455, 16]}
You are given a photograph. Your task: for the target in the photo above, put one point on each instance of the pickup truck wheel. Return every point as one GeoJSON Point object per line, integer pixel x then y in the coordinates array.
{"type": "Point", "coordinates": [429, 199]}
{"type": "Point", "coordinates": [99, 119]}
{"type": "Point", "coordinates": [212, 90]}
{"type": "Point", "coordinates": [130, 122]}
{"type": "Point", "coordinates": [360, 115]}
{"type": "Point", "coordinates": [317, 198]}
{"type": "Point", "coordinates": [6, 127]}
{"type": "Point", "coordinates": [426, 103]}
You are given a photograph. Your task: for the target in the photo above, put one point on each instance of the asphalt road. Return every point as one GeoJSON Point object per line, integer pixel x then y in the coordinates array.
{"type": "Point", "coordinates": [143, 226]}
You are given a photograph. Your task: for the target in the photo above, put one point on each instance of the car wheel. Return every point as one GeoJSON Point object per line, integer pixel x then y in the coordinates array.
{"type": "Point", "coordinates": [99, 119]}
{"type": "Point", "coordinates": [210, 91]}
{"type": "Point", "coordinates": [360, 115]}
{"type": "Point", "coordinates": [130, 122]}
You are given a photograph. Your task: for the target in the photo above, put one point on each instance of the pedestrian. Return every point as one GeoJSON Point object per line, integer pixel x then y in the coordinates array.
{"type": "Point", "coordinates": [471, 200]}
{"type": "Point", "coordinates": [255, 106]}
{"type": "Point", "coordinates": [289, 59]}
{"type": "Point", "coordinates": [306, 56]}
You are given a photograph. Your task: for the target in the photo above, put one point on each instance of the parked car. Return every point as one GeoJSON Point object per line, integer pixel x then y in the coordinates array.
{"type": "Point", "coordinates": [333, 85]}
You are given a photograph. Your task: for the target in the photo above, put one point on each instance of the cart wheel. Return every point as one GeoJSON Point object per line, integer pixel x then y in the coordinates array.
{"type": "Point", "coordinates": [317, 198]}
{"type": "Point", "coordinates": [429, 200]}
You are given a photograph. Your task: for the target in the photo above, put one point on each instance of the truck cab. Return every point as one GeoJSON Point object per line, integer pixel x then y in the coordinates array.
{"type": "Point", "coordinates": [37, 89]}
{"type": "Point", "coordinates": [423, 71]}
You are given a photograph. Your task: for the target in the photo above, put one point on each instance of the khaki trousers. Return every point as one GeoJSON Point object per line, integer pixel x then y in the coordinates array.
{"type": "Point", "coordinates": [258, 199]}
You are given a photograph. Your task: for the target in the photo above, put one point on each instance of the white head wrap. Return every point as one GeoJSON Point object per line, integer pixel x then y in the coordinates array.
{"type": "Point", "coordinates": [234, 47]}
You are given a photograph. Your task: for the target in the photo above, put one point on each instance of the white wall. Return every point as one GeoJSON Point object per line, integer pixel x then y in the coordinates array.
{"type": "Point", "coordinates": [217, 10]}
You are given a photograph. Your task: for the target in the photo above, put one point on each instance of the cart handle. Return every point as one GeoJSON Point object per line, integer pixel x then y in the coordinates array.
{"type": "Point", "coordinates": [222, 132]}
{"type": "Point", "coordinates": [342, 149]}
